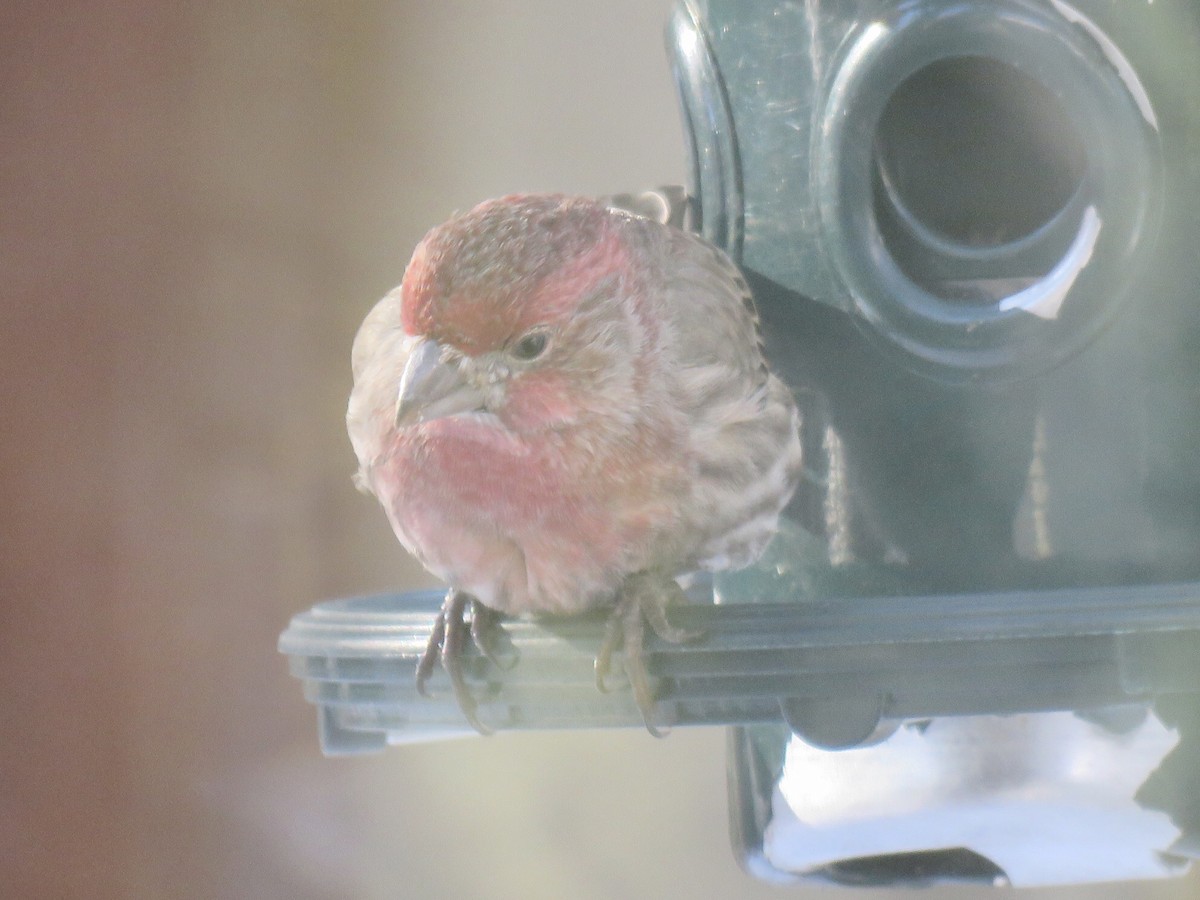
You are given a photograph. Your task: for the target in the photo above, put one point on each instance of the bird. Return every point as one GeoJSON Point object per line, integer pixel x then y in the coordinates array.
{"type": "Point", "coordinates": [566, 407]}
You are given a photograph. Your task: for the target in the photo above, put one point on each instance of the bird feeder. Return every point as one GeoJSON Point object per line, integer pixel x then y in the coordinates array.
{"type": "Point", "coordinates": [973, 651]}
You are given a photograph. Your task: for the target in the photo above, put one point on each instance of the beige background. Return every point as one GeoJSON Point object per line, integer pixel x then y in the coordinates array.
{"type": "Point", "coordinates": [198, 202]}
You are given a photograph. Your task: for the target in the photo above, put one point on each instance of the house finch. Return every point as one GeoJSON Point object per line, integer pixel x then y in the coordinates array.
{"type": "Point", "coordinates": [563, 407]}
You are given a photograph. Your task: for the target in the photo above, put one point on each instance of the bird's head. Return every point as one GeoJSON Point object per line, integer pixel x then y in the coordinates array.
{"type": "Point", "coordinates": [523, 309]}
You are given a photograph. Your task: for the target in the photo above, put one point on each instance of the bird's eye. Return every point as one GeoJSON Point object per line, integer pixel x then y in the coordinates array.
{"type": "Point", "coordinates": [530, 346]}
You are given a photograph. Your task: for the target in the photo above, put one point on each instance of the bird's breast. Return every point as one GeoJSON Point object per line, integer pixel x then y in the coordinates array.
{"type": "Point", "coordinates": [517, 522]}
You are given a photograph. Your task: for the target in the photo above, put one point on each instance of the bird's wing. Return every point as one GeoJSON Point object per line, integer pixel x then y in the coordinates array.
{"type": "Point", "coordinates": [744, 424]}
{"type": "Point", "coordinates": [380, 351]}
{"type": "Point", "coordinates": [711, 310]}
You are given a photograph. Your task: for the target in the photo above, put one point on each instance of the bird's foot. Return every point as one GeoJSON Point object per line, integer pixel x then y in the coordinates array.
{"type": "Point", "coordinates": [446, 644]}
{"type": "Point", "coordinates": [642, 599]}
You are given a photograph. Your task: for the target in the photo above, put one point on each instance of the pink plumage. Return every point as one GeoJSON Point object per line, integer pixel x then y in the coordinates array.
{"type": "Point", "coordinates": [563, 404]}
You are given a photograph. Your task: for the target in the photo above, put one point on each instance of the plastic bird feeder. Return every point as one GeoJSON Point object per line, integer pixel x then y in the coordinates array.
{"type": "Point", "coordinates": [973, 653]}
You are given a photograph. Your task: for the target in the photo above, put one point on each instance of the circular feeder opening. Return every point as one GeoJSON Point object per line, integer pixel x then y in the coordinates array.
{"type": "Point", "coordinates": [978, 178]}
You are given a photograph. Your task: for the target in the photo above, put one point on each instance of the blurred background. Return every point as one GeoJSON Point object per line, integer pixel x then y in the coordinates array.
{"type": "Point", "coordinates": [198, 204]}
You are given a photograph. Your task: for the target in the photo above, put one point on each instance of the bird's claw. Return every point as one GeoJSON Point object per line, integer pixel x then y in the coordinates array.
{"type": "Point", "coordinates": [486, 634]}
{"type": "Point", "coordinates": [446, 644]}
{"type": "Point", "coordinates": [642, 600]}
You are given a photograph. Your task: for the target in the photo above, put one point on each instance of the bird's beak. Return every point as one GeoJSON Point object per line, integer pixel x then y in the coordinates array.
{"type": "Point", "coordinates": [433, 388]}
